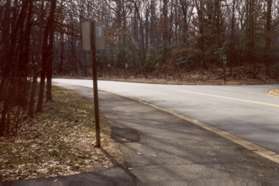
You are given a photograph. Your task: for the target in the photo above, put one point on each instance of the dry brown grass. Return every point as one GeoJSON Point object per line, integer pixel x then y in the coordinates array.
{"type": "Point", "coordinates": [274, 92]}
{"type": "Point", "coordinates": [58, 142]}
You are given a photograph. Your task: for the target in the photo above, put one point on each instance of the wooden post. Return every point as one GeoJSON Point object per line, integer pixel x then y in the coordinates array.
{"type": "Point", "coordinates": [95, 84]}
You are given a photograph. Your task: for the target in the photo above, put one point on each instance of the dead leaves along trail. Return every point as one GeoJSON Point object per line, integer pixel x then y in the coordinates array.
{"type": "Point", "coordinates": [58, 142]}
{"type": "Point", "coordinates": [274, 92]}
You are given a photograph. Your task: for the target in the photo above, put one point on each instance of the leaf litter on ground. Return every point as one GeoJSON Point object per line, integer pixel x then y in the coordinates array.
{"type": "Point", "coordinates": [274, 92]}
{"type": "Point", "coordinates": [58, 142]}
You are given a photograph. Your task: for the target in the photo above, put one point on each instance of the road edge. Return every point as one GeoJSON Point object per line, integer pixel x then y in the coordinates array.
{"type": "Point", "coordinates": [254, 148]}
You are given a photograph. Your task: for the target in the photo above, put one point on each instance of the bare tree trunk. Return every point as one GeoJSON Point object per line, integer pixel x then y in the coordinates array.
{"type": "Point", "coordinates": [251, 34]}
{"type": "Point", "coordinates": [165, 34]}
{"type": "Point", "coordinates": [62, 54]}
{"type": "Point", "coordinates": [201, 44]}
{"type": "Point", "coordinates": [232, 39]}
{"type": "Point", "coordinates": [46, 68]}
{"type": "Point", "coordinates": [49, 70]}
{"type": "Point", "coordinates": [50, 49]}
{"type": "Point", "coordinates": [268, 37]}
{"type": "Point", "coordinates": [33, 94]}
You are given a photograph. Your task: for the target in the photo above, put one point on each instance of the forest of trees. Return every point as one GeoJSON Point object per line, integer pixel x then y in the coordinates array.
{"type": "Point", "coordinates": [41, 38]}
{"type": "Point", "coordinates": [27, 30]}
{"type": "Point", "coordinates": [169, 38]}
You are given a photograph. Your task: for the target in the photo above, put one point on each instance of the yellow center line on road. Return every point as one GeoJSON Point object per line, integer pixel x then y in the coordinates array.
{"type": "Point", "coordinates": [232, 98]}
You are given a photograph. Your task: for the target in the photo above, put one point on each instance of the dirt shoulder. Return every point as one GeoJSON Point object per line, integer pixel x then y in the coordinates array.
{"type": "Point", "coordinates": [58, 142]}
{"type": "Point", "coordinates": [274, 92]}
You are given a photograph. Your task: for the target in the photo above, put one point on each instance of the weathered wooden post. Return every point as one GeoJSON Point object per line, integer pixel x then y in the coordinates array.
{"type": "Point", "coordinates": [92, 40]}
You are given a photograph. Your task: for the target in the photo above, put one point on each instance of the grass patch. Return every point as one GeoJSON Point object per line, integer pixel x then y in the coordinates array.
{"type": "Point", "coordinates": [58, 142]}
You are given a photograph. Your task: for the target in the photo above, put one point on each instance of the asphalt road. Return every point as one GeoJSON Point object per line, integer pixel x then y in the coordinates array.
{"type": "Point", "coordinates": [245, 111]}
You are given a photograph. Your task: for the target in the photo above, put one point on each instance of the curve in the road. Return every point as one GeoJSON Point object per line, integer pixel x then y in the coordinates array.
{"type": "Point", "coordinates": [122, 89]}
{"type": "Point", "coordinates": [259, 150]}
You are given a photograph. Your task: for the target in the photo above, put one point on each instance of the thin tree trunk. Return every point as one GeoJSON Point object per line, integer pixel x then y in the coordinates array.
{"type": "Point", "coordinates": [33, 94]}
{"type": "Point", "coordinates": [268, 37]}
{"type": "Point", "coordinates": [62, 54]}
{"type": "Point", "coordinates": [46, 66]}
{"type": "Point", "coordinates": [232, 38]}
